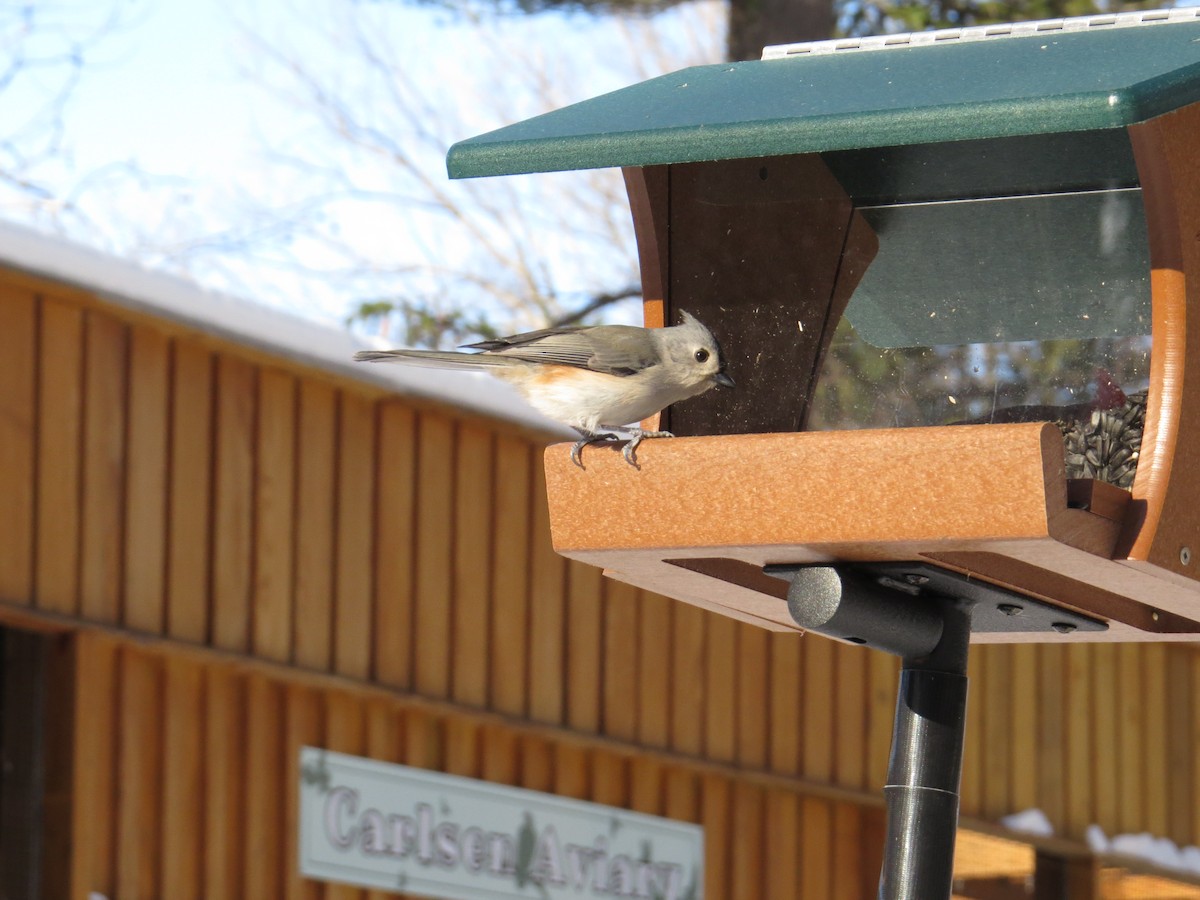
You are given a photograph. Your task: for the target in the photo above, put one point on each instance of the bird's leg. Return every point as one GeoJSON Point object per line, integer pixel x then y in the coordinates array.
{"type": "Point", "coordinates": [639, 435]}
{"type": "Point", "coordinates": [587, 437]}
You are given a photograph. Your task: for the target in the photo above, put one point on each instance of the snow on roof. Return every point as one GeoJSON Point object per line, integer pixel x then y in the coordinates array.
{"type": "Point", "coordinates": [273, 331]}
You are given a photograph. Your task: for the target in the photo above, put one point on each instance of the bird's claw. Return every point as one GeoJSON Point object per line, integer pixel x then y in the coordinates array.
{"type": "Point", "coordinates": [586, 439]}
{"type": "Point", "coordinates": [630, 450]}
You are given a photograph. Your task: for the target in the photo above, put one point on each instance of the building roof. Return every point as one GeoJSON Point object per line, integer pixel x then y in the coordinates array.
{"type": "Point", "coordinates": [263, 328]}
{"type": "Point", "coordinates": [1061, 76]}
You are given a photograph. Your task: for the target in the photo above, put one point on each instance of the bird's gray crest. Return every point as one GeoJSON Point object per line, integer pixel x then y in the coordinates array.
{"type": "Point", "coordinates": [689, 319]}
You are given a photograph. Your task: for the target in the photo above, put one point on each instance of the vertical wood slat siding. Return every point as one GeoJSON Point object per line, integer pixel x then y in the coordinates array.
{"type": "Point", "coordinates": [304, 727]}
{"type": "Point", "coordinates": [1051, 729]}
{"type": "Point", "coordinates": [224, 782]}
{"type": "Point", "coordinates": [688, 679]}
{"type": "Point", "coordinates": [1178, 746]}
{"type": "Point", "coordinates": [854, 872]}
{"type": "Point", "coordinates": [511, 510]}
{"type": "Point", "coordinates": [355, 584]}
{"type": "Point", "coordinates": [104, 432]}
{"type": "Point", "coordinates": [146, 480]}
{"type": "Point", "coordinates": [748, 813]}
{"type": "Point", "coordinates": [620, 665]}
{"type": "Point", "coordinates": [995, 691]}
{"type": "Point", "coordinates": [60, 419]}
{"type": "Point", "coordinates": [315, 511]}
{"type": "Point", "coordinates": [786, 712]}
{"type": "Point", "coordinates": [274, 516]}
{"type": "Point", "coordinates": [266, 755]}
{"type": "Point", "coordinates": [139, 806]}
{"type": "Point", "coordinates": [473, 498]}
{"type": "Point", "coordinates": [547, 610]}
{"type": "Point", "coordinates": [816, 879]}
{"type": "Point", "coordinates": [178, 835]}
{"type": "Point", "coordinates": [346, 734]}
{"type": "Point", "coordinates": [172, 713]}
{"type": "Point", "coordinates": [819, 714]}
{"type": "Point", "coordinates": [1192, 738]}
{"type": "Point", "coordinates": [138, 458]}
{"type": "Point", "coordinates": [382, 743]}
{"type": "Point", "coordinates": [18, 441]}
{"type": "Point", "coordinates": [1131, 724]}
{"type": "Point", "coordinates": [883, 675]}
{"type": "Point", "coordinates": [1156, 783]}
{"type": "Point", "coordinates": [715, 816]}
{"type": "Point", "coordinates": [752, 721]}
{"type": "Point", "coordinates": [1023, 727]}
{"type": "Point", "coordinates": [850, 763]}
{"type": "Point", "coordinates": [971, 791]}
{"type": "Point", "coordinates": [1104, 731]}
{"type": "Point", "coordinates": [182, 807]}
{"type": "Point", "coordinates": [719, 665]}
{"type": "Point", "coordinates": [190, 533]}
{"type": "Point", "coordinates": [233, 500]}
{"type": "Point", "coordinates": [1078, 749]}
{"type": "Point", "coordinates": [584, 647]}
{"type": "Point", "coordinates": [782, 846]}
{"type": "Point", "coordinates": [395, 527]}
{"type": "Point", "coordinates": [434, 536]}
{"type": "Point", "coordinates": [654, 673]}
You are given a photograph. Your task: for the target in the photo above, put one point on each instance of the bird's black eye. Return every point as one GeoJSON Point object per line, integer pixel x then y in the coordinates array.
{"type": "Point", "coordinates": [701, 355]}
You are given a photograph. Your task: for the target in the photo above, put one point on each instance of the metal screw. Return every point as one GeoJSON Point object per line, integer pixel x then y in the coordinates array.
{"type": "Point", "coordinates": [1010, 609]}
{"type": "Point", "coordinates": [913, 578]}
{"type": "Point", "coordinates": [1185, 555]}
{"type": "Point", "coordinates": [1064, 627]}
{"type": "Point", "coordinates": [1154, 616]}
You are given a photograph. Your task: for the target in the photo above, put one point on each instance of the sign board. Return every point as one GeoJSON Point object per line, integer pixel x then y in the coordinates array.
{"type": "Point", "coordinates": [380, 825]}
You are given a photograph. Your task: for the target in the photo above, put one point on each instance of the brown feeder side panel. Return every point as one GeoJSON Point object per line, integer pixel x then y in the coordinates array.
{"type": "Point", "coordinates": [649, 201]}
{"type": "Point", "coordinates": [754, 250]}
{"type": "Point", "coordinates": [648, 188]}
{"type": "Point", "coordinates": [1166, 508]}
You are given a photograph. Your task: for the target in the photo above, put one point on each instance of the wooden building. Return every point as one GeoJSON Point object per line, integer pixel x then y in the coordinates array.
{"type": "Point", "coordinates": [220, 541]}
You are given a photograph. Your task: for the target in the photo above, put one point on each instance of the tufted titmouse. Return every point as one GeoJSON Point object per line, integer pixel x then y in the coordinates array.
{"type": "Point", "coordinates": [595, 378]}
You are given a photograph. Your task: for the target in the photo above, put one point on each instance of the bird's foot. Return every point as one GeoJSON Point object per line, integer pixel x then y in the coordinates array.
{"type": "Point", "coordinates": [638, 435]}
{"type": "Point", "coordinates": [588, 438]}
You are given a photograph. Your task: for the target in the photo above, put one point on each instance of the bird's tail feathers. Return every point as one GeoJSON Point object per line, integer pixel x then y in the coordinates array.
{"type": "Point", "coordinates": [436, 359]}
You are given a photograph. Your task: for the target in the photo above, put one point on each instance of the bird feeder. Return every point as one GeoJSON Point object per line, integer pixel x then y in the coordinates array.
{"type": "Point", "coordinates": [950, 273]}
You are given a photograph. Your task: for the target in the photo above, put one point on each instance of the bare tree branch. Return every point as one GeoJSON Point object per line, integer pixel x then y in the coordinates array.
{"type": "Point", "coordinates": [46, 47]}
{"type": "Point", "coordinates": [595, 305]}
{"type": "Point", "coordinates": [513, 253]}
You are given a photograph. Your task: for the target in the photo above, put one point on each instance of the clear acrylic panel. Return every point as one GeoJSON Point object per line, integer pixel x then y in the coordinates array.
{"type": "Point", "coordinates": [1002, 310]}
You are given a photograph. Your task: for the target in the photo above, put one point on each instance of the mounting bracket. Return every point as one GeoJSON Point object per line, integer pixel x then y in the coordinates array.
{"type": "Point", "coordinates": [924, 615]}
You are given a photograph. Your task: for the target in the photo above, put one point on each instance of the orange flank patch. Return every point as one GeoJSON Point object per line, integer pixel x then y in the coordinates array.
{"type": "Point", "coordinates": [543, 375]}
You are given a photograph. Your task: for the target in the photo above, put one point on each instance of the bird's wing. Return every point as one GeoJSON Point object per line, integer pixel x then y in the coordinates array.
{"type": "Point", "coordinates": [612, 349]}
{"type": "Point", "coordinates": [435, 359]}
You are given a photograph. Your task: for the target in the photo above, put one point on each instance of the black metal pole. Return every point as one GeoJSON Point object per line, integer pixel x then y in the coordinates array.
{"type": "Point", "coordinates": [925, 767]}
{"type": "Point", "coordinates": [924, 615]}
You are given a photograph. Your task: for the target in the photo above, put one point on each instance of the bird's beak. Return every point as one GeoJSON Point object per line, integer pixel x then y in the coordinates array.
{"type": "Point", "coordinates": [723, 380]}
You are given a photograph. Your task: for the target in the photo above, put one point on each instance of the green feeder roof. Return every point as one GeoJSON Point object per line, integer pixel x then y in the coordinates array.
{"type": "Point", "coordinates": [1068, 75]}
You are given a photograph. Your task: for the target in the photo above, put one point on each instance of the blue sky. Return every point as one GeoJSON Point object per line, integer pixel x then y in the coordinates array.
{"type": "Point", "coordinates": [166, 92]}
{"type": "Point", "coordinates": [181, 91]}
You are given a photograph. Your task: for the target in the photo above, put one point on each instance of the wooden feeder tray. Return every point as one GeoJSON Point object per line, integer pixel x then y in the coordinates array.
{"type": "Point", "coordinates": [702, 517]}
